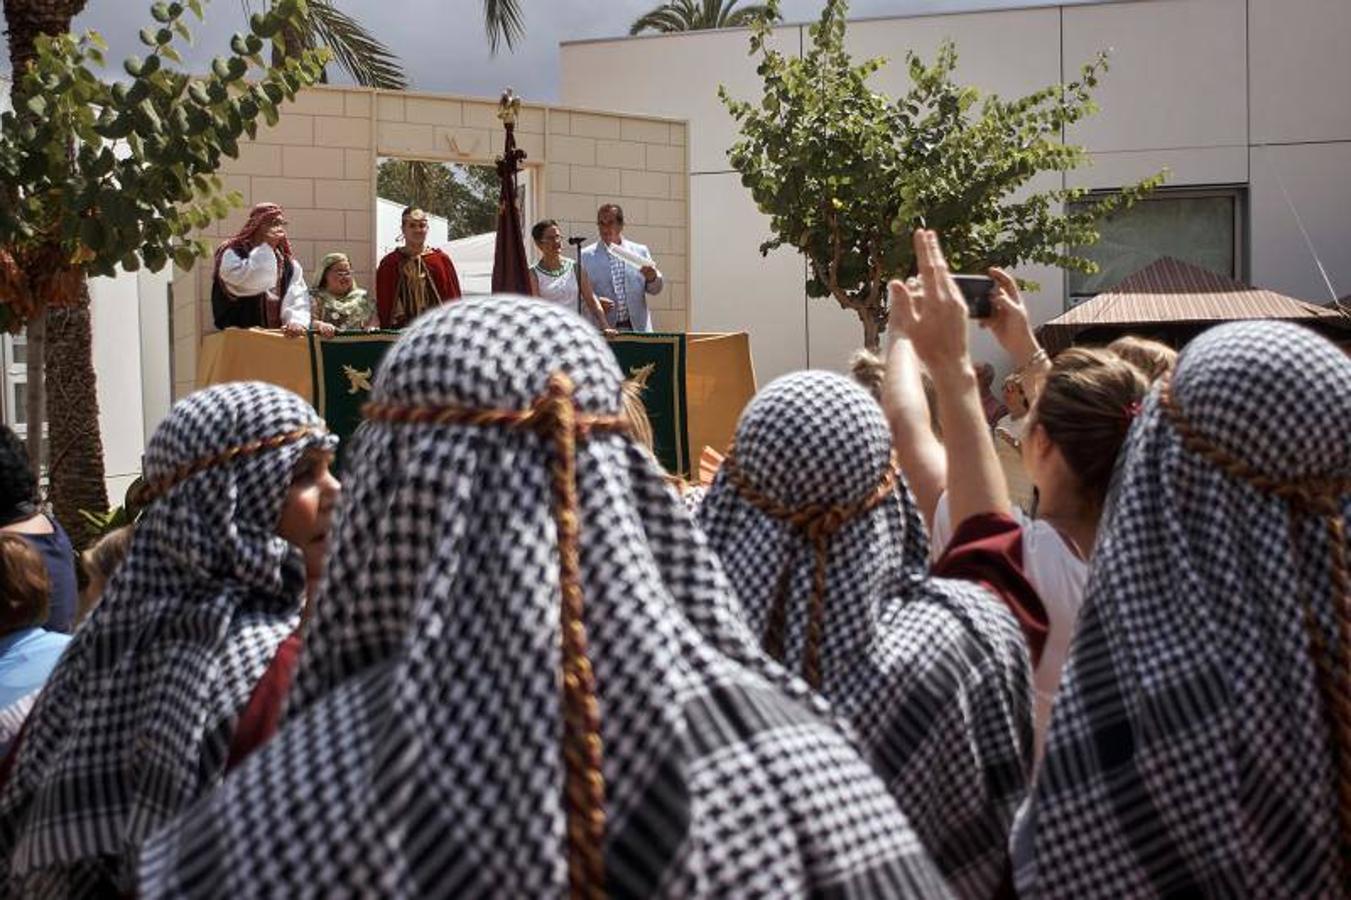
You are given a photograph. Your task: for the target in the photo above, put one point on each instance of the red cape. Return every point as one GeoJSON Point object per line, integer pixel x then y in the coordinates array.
{"type": "Point", "coordinates": [439, 267]}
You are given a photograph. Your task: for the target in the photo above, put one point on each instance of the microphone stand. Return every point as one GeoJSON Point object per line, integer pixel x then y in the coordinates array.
{"type": "Point", "coordinates": [577, 242]}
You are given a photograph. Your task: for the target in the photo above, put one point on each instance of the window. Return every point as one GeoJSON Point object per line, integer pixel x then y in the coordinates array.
{"type": "Point", "coordinates": [1202, 227]}
{"type": "Point", "coordinates": [14, 371]}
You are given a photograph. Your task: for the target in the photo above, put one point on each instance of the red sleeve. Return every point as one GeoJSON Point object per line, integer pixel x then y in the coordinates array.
{"type": "Point", "coordinates": [447, 281]}
{"type": "Point", "coordinates": [261, 716]}
{"type": "Point", "coordinates": [386, 287]}
{"type": "Point", "coordinates": [988, 549]}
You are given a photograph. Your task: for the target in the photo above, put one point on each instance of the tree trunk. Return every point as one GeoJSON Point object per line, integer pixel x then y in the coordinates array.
{"type": "Point", "coordinates": [25, 20]}
{"type": "Point", "coordinates": [872, 329]}
{"type": "Point", "coordinates": [76, 468]}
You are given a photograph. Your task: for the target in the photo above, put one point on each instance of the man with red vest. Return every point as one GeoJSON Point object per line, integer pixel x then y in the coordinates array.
{"type": "Point", "coordinates": [413, 278]}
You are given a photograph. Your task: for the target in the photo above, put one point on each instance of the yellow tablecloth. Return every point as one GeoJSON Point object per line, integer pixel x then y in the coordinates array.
{"type": "Point", "coordinates": [719, 376]}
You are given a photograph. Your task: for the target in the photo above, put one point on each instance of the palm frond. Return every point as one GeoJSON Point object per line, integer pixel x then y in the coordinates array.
{"type": "Point", "coordinates": [505, 21]}
{"type": "Point", "coordinates": [356, 51]}
{"type": "Point", "coordinates": [747, 15]}
{"type": "Point", "coordinates": [686, 15]}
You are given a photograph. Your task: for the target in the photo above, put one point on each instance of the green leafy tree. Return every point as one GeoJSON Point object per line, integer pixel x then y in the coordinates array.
{"type": "Point", "coordinates": [103, 176]}
{"type": "Point", "coordinates": [465, 197]}
{"type": "Point", "coordinates": [697, 15]}
{"type": "Point", "coordinates": [845, 173]}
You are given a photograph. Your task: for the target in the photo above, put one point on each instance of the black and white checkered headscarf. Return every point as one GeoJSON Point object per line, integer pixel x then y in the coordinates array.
{"type": "Point", "coordinates": [1190, 751]}
{"type": "Point", "coordinates": [422, 754]}
{"type": "Point", "coordinates": [933, 674]}
{"type": "Point", "coordinates": [135, 722]}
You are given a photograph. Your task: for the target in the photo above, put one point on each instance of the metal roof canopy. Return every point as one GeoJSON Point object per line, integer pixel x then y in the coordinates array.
{"type": "Point", "coordinates": [1173, 298]}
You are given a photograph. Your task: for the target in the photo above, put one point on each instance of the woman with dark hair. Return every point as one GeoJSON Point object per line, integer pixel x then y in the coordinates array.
{"type": "Point", "coordinates": [1081, 409]}
{"type": "Point", "coordinates": [558, 279]}
{"type": "Point", "coordinates": [20, 514]}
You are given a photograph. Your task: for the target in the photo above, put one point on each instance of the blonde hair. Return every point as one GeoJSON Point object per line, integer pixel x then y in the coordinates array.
{"type": "Point", "coordinates": [1086, 407]}
{"type": "Point", "coordinates": [1154, 358]}
{"type": "Point", "coordinates": [635, 412]}
{"type": "Point", "coordinates": [869, 371]}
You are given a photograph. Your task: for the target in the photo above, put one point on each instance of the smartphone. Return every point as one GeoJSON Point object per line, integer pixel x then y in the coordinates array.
{"type": "Point", "coordinates": [976, 290]}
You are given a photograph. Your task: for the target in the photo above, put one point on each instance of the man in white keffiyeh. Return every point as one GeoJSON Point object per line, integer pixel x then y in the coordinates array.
{"type": "Point", "coordinates": [504, 691]}
{"type": "Point", "coordinates": [1200, 745]}
{"type": "Point", "coordinates": [136, 720]}
{"type": "Point", "coordinates": [824, 546]}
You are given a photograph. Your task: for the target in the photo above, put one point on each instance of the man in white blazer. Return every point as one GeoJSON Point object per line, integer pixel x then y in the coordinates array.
{"type": "Point", "coordinates": [614, 280]}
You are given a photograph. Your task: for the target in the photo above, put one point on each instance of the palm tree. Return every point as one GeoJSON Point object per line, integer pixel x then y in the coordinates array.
{"type": "Point", "coordinates": [60, 343]}
{"type": "Point", "coordinates": [690, 15]}
{"type": "Point", "coordinates": [368, 60]}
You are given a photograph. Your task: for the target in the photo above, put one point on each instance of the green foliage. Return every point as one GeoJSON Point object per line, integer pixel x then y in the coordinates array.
{"type": "Point", "coordinates": [355, 50]}
{"type": "Point", "coordinates": [123, 174]}
{"type": "Point", "coordinates": [846, 173]}
{"type": "Point", "coordinates": [466, 197]}
{"type": "Point", "coordinates": [692, 15]}
{"type": "Point", "coordinates": [100, 523]}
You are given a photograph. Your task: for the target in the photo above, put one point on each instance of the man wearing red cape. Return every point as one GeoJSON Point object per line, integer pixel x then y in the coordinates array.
{"type": "Point", "coordinates": [413, 278]}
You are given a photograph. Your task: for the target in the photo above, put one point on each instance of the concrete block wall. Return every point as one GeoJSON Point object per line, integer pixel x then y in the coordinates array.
{"type": "Point", "coordinates": [319, 162]}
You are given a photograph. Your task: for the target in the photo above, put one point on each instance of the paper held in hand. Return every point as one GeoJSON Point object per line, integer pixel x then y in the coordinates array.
{"type": "Point", "coordinates": [630, 257]}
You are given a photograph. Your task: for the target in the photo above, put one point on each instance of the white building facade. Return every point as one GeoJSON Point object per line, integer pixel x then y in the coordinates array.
{"type": "Point", "coordinates": [1244, 101]}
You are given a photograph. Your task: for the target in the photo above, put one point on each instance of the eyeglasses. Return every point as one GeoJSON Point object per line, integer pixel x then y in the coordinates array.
{"type": "Point", "coordinates": [604, 222]}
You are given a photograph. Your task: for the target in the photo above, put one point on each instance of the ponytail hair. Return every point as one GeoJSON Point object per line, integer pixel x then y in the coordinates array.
{"type": "Point", "coordinates": [1087, 404]}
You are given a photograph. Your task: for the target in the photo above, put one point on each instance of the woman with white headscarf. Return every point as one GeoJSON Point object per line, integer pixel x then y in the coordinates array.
{"type": "Point", "coordinates": [1201, 741]}
{"type": "Point", "coordinates": [138, 718]}
{"type": "Point", "coordinates": [522, 678]}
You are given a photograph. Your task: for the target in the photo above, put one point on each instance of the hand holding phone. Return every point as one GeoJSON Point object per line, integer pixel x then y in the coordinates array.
{"type": "Point", "coordinates": [976, 290]}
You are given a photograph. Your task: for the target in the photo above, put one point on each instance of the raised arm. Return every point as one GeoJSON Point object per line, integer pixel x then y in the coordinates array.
{"type": "Point", "coordinates": [1013, 329]}
{"type": "Point", "coordinates": [935, 321]}
{"type": "Point", "coordinates": [922, 457]}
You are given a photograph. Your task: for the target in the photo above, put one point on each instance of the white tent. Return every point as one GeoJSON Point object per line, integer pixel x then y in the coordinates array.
{"type": "Point", "coordinates": [473, 259]}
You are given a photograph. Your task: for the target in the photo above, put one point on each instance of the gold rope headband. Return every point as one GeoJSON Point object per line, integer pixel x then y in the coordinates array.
{"type": "Point", "coordinates": [819, 524]}
{"type": "Point", "coordinates": [153, 490]}
{"type": "Point", "coordinates": [1319, 497]}
{"type": "Point", "coordinates": [555, 417]}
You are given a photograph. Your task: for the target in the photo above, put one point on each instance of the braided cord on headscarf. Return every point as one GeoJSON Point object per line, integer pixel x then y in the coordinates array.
{"type": "Point", "coordinates": [555, 417]}
{"type": "Point", "coordinates": [818, 523]}
{"type": "Point", "coordinates": [1320, 498]}
{"type": "Point", "coordinates": [152, 490]}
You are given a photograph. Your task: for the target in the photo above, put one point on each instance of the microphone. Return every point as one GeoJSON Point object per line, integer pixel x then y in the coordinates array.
{"type": "Point", "coordinates": [576, 241]}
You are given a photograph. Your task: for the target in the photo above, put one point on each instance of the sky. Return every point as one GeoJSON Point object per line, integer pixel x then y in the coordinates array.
{"type": "Point", "coordinates": [442, 44]}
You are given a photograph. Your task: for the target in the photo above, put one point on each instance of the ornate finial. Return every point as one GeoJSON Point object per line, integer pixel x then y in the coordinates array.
{"type": "Point", "coordinates": [509, 107]}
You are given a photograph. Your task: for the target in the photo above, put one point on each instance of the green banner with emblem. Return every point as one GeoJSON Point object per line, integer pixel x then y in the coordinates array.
{"type": "Point", "coordinates": [657, 361]}
{"type": "Point", "coordinates": [343, 368]}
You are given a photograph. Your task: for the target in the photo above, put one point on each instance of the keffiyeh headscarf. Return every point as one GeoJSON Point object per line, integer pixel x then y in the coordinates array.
{"type": "Point", "coordinates": [824, 546]}
{"type": "Point", "coordinates": [261, 215]}
{"type": "Point", "coordinates": [135, 722]}
{"type": "Point", "coordinates": [350, 312]}
{"type": "Point", "coordinates": [503, 691]}
{"type": "Point", "coordinates": [1200, 742]}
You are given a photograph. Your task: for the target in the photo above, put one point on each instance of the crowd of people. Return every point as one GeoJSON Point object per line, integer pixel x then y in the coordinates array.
{"type": "Point", "coordinates": [257, 282]}
{"type": "Point", "coordinates": [511, 656]}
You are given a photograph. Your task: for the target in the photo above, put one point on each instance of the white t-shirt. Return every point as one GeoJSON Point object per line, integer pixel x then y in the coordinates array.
{"type": "Point", "coordinates": [1059, 576]}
